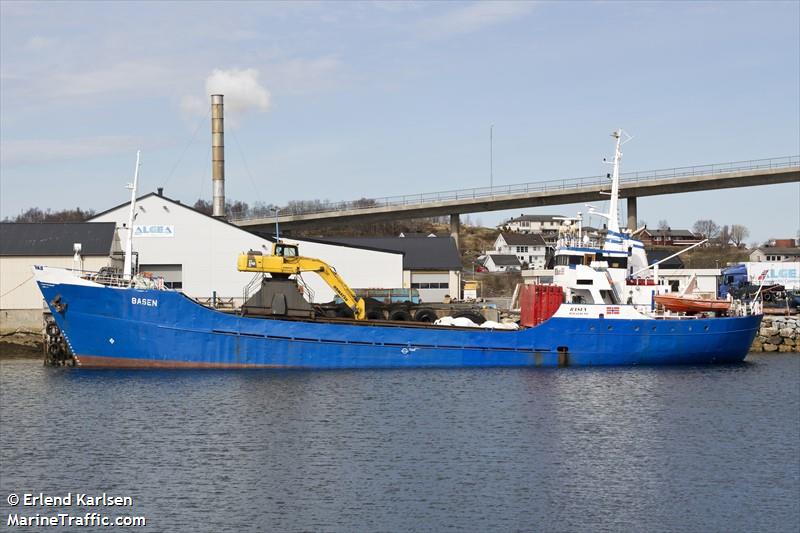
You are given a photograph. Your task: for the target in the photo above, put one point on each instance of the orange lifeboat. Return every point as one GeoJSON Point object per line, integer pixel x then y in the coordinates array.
{"type": "Point", "coordinates": [691, 304]}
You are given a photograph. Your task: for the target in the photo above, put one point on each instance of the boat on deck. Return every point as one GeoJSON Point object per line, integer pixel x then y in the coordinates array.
{"type": "Point", "coordinates": [691, 304]}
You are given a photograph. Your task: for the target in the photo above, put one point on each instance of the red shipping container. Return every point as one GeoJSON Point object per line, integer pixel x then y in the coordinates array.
{"type": "Point", "coordinates": [538, 303]}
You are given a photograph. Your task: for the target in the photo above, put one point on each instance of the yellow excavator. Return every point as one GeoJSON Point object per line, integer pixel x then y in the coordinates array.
{"type": "Point", "coordinates": [286, 261]}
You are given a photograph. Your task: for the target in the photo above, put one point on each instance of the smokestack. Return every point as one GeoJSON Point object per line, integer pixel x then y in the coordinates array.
{"type": "Point", "coordinates": [217, 156]}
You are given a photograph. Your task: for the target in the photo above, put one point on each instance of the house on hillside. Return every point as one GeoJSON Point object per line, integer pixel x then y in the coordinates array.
{"type": "Point", "coordinates": [502, 263]}
{"type": "Point", "coordinates": [530, 248]}
{"type": "Point", "coordinates": [545, 225]}
{"type": "Point", "coordinates": [668, 237]}
{"type": "Point", "coordinates": [773, 253]}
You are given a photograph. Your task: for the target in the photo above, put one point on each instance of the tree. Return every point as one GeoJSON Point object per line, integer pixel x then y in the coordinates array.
{"type": "Point", "coordinates": [707, 228]}
{"type": "Point", "coordinates": [663, 225]}
{"type": "Point", "coordinates": [203, 206]}
{"type": "Point", "coordinates": [34, 214]}
{"type": "Point", "coordinates": [738, 235]}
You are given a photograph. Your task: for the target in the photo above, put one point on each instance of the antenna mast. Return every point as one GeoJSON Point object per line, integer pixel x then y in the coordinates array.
{"type": "Point", "coordinates": [127, 269]}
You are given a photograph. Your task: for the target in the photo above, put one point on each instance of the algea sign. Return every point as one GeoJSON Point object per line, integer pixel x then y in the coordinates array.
{"type": "Point", "coordinates": [154, 230]}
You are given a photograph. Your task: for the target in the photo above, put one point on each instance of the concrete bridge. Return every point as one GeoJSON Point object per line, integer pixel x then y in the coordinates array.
{"type": "Point", "coordinates": [535, 194]}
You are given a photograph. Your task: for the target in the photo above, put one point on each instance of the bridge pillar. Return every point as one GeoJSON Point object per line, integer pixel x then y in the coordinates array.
{"type": "Point", "coordinates": [455, 227]}
{"type": "Point", "coordinates": [632, 217]}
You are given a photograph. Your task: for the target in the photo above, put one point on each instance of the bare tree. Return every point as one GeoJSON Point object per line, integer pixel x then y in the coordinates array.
{"type": "Point", "coordinates": [707, 228]}
{"type": "Point", "coordinates": [663, 225]}
{"type": "Point", "coordinates": [34, 214]}
{"type": "Point", "coordinates": [738, 235]}
{"type": "Point", "coordinates": [203, 206]}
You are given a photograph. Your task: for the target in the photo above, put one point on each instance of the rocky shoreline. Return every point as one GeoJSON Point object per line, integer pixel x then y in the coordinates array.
{"type": "Point", "coordinates": [778, 334]}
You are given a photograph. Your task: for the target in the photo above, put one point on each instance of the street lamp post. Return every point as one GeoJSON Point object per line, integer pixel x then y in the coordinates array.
{"type": "Point", "coordinates": [277, 228]}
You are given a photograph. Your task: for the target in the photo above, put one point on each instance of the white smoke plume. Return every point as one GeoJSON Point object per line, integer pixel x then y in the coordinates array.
{"type": "Point", "coordinates": [241, 88]}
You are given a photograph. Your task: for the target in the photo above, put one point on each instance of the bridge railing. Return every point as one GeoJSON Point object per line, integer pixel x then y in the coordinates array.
{"type": "Point", "coordinates": [626, 178]}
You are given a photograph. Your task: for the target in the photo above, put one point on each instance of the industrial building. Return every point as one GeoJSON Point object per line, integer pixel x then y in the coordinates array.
{"type": "Point", "coordinates": [197, 253]}
{"type": "Point", "coordinates": [78, 245]}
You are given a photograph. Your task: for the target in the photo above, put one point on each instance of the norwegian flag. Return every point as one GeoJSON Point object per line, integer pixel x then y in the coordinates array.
{"type": "Point", "coordinates": [762, 276]}
{"type": "Point", "coordinates": [612, 310]}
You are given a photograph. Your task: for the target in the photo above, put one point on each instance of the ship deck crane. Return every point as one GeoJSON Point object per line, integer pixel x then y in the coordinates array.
{"type": "Point", "coordinates": [285, 261]}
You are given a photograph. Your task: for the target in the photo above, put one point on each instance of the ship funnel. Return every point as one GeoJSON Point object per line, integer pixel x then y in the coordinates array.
{"type": "Point", "coordinates": [217, 156]}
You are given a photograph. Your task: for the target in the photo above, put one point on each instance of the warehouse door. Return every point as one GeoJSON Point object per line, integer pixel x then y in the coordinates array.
{"type": "Point", "coordinates": [172, 274]}
{"type": "Point", "coordinates": [432, 286]}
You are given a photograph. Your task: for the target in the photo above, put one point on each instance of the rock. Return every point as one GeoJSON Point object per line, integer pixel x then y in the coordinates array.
{"type": "Point", "coordinates": [784, 348]}
{"type": "Point", "coordinates": [769, 332]}
{"type": "Point", "coordinates": [775, 339]}
{"type": "Point", "coordinates": [789, 342]}
{"type": "Point", "coordinates": [770, 348]}
{"type": "Point", "coordinates": [762, 339]}
{"type": "Point", "coordinates": [786, 332]}
{"type": "Point", "coordinates": [756, 346]}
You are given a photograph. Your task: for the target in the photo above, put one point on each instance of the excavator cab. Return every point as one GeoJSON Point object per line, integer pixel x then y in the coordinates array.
{"type": "Point", "coordinates": [284, 250]}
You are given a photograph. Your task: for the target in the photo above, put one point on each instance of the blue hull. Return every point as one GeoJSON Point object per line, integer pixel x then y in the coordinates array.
{"type": "Point", "coordinates": [145, 328]}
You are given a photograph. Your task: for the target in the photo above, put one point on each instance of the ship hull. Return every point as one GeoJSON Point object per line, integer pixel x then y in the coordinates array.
{"type": "Point", "coordinates": [113, 327]}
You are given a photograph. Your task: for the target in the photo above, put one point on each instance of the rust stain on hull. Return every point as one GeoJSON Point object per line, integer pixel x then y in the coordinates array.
{"type": "Point", "coordinates": [93, 361]}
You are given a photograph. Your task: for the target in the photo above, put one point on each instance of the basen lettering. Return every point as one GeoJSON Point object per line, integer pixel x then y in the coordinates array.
{"type": "Point", "coordinates": [149, 302]}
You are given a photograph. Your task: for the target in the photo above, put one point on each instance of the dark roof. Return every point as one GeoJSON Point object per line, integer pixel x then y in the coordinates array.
{"type": "Point", "coordinates": [434, 253]}
{"type": "Point", "coordinates": [519, 239]}
{"type": "Point", "coordinates": [533, 218]}
{"type": "Point", "coordinates": [331, 242]}
{"type": "Point", "coordinates": [654, 256]}
{"type": "Point", "coordinates": [505, 259]}
{"type": "Point", "coordinates": [672, 233]}
{"type": "Point", "coordinates": [55, 238]}
{"type": "Point", "coordinates": [776, 250]}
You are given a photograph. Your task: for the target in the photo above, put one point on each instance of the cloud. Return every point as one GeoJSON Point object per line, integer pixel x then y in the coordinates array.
{"type": "Point", "coordinates": [241, 88]}
{"type": "Point", "coordinates": [474, 17]}
{"type": "Point", "coordinates": [22, 152]}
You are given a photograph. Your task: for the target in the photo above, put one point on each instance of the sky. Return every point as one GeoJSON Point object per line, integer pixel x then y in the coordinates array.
{"type": "Point", "coordinates": [344, 100]}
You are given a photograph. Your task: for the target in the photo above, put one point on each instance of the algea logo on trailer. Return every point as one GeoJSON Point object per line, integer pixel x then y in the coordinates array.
{"type": "Point", "coordinates": [153, 231]}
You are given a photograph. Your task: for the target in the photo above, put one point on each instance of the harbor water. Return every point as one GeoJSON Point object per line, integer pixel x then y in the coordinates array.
{"type": "Point", "coordinates": [705, 448]}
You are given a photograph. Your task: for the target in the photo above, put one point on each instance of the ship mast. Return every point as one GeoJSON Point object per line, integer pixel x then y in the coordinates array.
{"type": "Point", "coordinates": [127, 269]}
{"type": "Point", "coordinates": [613, 209]}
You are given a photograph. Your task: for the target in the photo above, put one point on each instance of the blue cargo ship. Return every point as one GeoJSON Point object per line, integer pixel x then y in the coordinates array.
{"type": "Point", "coordinates": [125, 327]}
{"type": "Point", "coordinates": [607, 317]}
